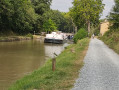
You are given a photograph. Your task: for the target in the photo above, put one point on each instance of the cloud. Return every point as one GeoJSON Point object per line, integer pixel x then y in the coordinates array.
{"type": "Point", "coordinates": [64, 5]}
{"type": "Point", "coordinates": [108, 6]}
{"type": "Point", "coordinates": [61, 5]}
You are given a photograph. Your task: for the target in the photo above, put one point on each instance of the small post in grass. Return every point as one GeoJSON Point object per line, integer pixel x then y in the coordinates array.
{"type": "Point", "coordinates": [53, 64]}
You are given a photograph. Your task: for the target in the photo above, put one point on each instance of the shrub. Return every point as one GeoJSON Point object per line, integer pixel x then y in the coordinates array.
{"type": "Point", "coordinates": [82, 33]}
{"type": "Point", "coordinates": [29, 35]}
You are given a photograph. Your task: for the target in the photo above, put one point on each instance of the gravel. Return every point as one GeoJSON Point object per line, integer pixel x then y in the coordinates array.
{"type": "Point", "coordinates": [101, 69]}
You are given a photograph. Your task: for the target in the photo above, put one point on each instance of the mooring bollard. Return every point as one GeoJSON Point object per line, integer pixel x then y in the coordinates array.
{"type": "Point", "coordinates": [53, 64]}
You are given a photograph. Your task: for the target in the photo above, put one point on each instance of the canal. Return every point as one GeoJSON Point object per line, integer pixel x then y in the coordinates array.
{"type": "Point", "coordinates": [18, 59]}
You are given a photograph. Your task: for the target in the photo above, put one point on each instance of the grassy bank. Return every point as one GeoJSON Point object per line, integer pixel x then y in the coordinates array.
{"type": "Point", "coordinates": [68, 64]}
{"type": "Point", "coordinates": [19, 38]}
{"type": "Point", "coordinates": [14, 38]}
{"type": "Point", "coordinates": [111, 38]}
{"type": "Point", "coordinates": [10, 37]}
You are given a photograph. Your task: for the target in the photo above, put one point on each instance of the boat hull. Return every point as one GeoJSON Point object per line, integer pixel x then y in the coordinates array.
{"type": "Point", "coordinates": [46, 40]}
{"type": "Point", "coordinates": [56, 41]}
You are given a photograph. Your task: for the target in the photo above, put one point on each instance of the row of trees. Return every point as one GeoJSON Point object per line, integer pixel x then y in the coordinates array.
{"type": "Point", "coordinates": [62, 20]}
{"type": "Point", "coordinates": [17, 16]}
{"type": "Point", "coordinates": [25, 16]}
{"type": "Point", "coordinates": [86, 13]}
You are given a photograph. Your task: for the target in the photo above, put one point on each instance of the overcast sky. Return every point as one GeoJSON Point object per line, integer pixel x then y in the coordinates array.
{"type": "Point", "coordinates": [64, 5]}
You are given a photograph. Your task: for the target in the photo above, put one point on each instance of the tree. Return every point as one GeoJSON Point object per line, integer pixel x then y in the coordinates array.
{"type": "Point", "coordinates": [49, 26]}
{"type": "Point", "coordinates": [114, 15]}
{"type": "Point", "coordinates": [17, 16]}
{"type": "Point", "coordinates": [23, 17]}
{"type": "Point", "coordinates": [69, 25]}
{"type": "Point", "coordinates": [85, 12]}
{"type": "Point", "coordinates": [63, 20]}
{"type": "Point", "coordinates": [41, 7]}
{"type": "Point", "coordinates": [6, 11]}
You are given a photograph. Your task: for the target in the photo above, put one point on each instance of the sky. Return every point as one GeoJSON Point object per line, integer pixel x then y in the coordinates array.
{"type": "Point", "coordinates": [64, 5]}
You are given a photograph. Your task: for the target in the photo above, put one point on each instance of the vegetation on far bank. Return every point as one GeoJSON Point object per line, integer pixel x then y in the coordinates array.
{"type": "Point", "coordinates": [15, 38]}
{"type": "Point", "coordinates": [68, 64]}
{"type": "Point", "coordinates": [26, 16]}
{"type": "Point", "coordinates": [29, 16]}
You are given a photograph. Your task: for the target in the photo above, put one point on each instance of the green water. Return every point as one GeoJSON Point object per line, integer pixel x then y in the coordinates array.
{"type": "Point", "coordinates": [21, 58]}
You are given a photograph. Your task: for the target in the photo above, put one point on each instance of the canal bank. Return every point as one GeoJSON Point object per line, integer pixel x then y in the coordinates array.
{"type": "Point", "coordinates": [14, 38]}
{"type": "Point", "coordinates": [68, 64]}
{"type": "Point", "coordinates": [19, 58]}
{"type": "Point", "coordinates": [20, 38]}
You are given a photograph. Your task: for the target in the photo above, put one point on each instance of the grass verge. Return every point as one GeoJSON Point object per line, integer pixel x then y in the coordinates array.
{"type": "Point", "coordinates": [111, 38]}
{"type": "Point", "coordinates": [68, 64]}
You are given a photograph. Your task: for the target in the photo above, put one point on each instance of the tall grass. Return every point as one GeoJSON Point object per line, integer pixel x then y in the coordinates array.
{"type": "Point", "coordinates": [111, 38]}
{"type": "Point", "coordinates": [68, 64]}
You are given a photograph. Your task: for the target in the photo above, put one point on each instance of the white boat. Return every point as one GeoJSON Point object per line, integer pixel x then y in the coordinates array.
{"type": "Point", "coordinates": [55, 37]}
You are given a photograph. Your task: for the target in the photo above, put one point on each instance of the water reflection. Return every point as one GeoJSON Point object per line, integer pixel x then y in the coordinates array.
{"type": "Point", "coordinates": [20, 58]}
{"type": "Point", "coordinates": [50, 49]}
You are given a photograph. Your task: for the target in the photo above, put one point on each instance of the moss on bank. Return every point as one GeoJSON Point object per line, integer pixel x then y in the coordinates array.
{"type": "Point", "coordinates": [111, 38]}
{"type": "Point", "coordinates": [68, 64]}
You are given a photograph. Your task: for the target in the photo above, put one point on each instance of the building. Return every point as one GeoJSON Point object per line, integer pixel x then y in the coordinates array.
{"type": "Point", "coordinates": [104, 26]}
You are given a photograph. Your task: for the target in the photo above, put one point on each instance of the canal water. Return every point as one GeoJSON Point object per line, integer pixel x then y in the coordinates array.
{"type": "Point", "coordinates": [23, 57]}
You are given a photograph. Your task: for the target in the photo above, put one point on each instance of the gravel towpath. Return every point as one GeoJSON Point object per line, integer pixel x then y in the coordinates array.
{"type": "Point", "coordinates": [100, 70]}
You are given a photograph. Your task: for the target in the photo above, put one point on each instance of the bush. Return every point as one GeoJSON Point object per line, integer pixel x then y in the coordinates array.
{"type": "Point", "coordinates": [29, 35]}
{"type": "Point", "coordinates": [82, 33]}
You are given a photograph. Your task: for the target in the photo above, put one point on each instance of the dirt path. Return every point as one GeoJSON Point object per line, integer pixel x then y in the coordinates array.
{"type": "Point", "coordinates": [101, 69]}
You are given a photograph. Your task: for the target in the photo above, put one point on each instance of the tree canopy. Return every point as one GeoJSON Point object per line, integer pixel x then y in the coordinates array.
{"type": "Point", "coordinates": [49, 26]}
{"type": "Point", "coordinates": [26, 16]}
{"type": "Point", "coordinates": [114, 15]}
{"type": "Point", "coordinates": [85, 12]}
{"type": "Point", "coordinates": [63, 20]}
{"type": "Point", "coordinates": [16, 15]}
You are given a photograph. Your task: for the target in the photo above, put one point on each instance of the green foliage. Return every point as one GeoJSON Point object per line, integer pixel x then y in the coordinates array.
{"type": "Point", "coordinates": [69, 24]}
{"type": "Point", "coordinates": [49, 26]}
{"type": "Point", "coordinates": [82, 33]}
{"type": "Point", "coordinates": [86, 12]}
{"type": "Point", "coordinates": [41, 7]}
{"type": "Point", "coordinates": [114, 15]}
{"type": "Point", "coordinates": [6, 11]}
{"type": "Point", "coordinates": [95, 30]}
{"type": "Point", "coordinates": [17, 15]}
{"type": "Point", "coordinates": [29, 35]}
{"type": "Point", "coordinates": [63, 20]}
{"type": "Point", "coordinates": [24, 16]}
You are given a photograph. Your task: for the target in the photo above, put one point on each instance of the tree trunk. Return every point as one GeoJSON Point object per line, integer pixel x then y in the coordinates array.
{"type": "Point", "coordinates": [75, 29]}
{"type": "Point", "coordinates": [88, 26]}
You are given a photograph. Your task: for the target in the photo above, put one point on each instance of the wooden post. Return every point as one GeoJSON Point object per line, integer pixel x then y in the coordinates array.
{"type": "Point", "coordinates": [53, 64]}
